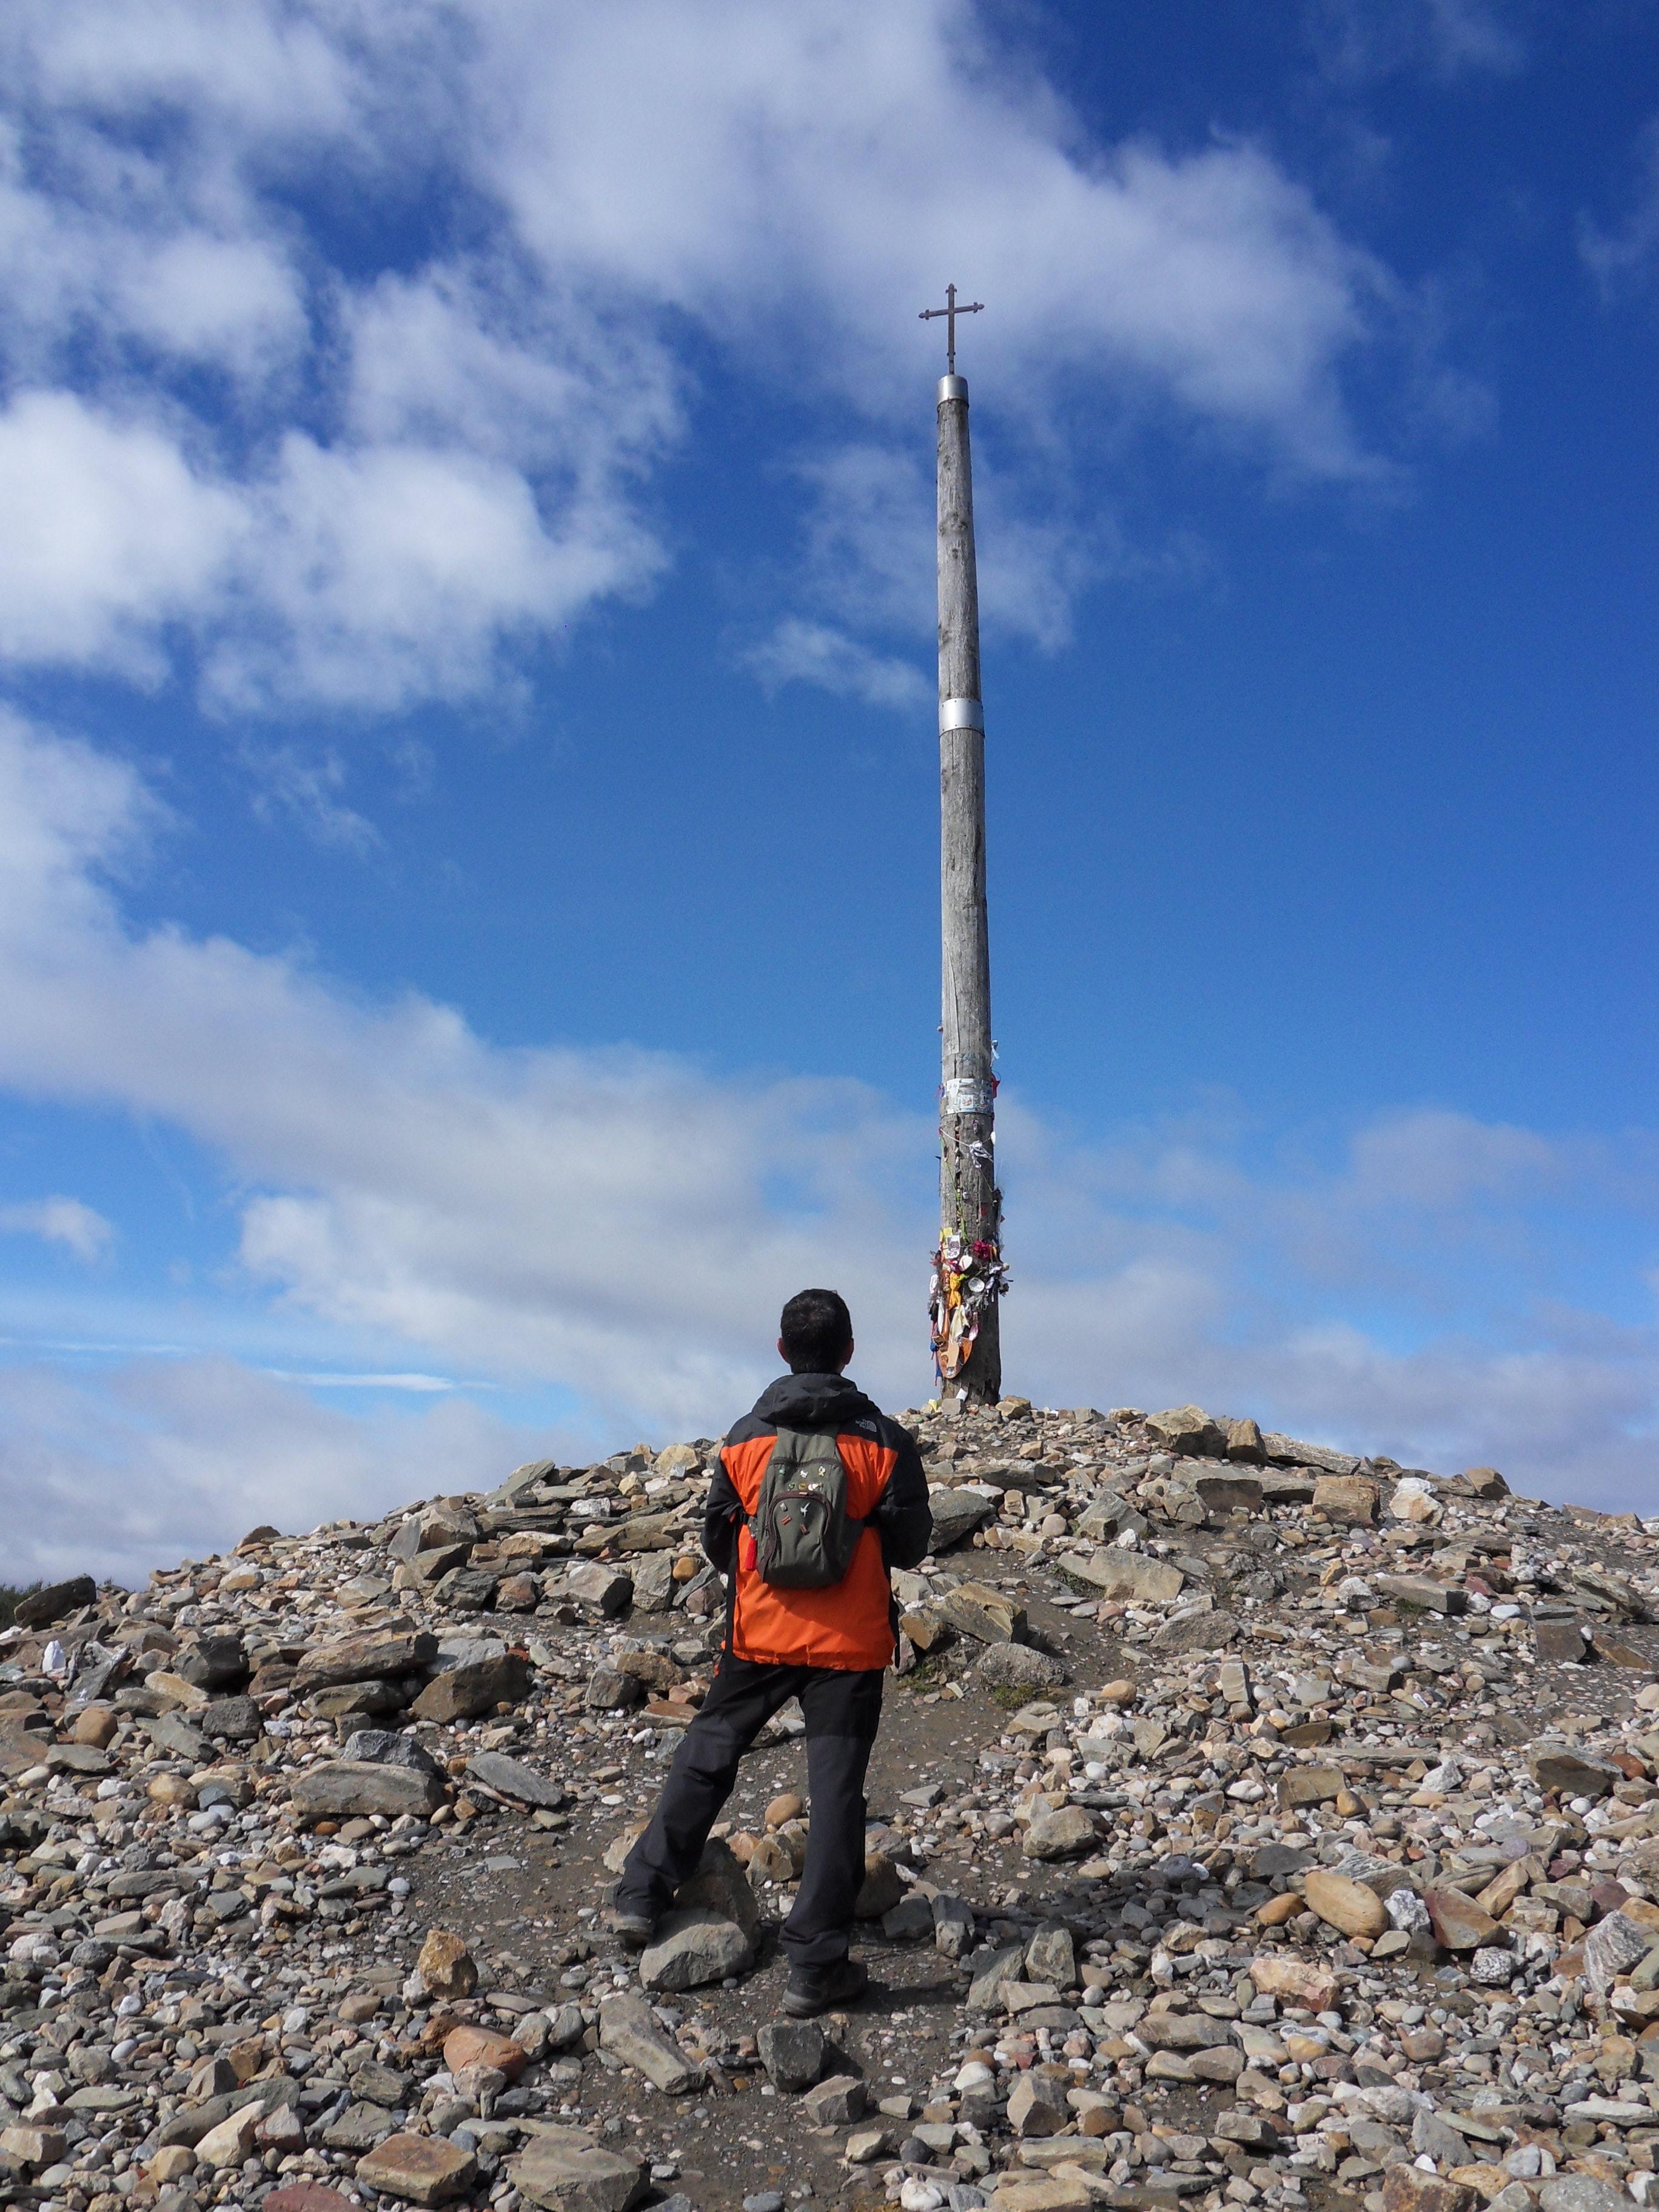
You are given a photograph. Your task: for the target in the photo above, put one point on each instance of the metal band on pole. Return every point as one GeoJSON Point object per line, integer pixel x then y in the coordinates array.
{"type": "Point", "coordinates": [960, 715]}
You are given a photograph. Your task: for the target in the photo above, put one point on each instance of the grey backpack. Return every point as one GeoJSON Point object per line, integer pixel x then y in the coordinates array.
{"type": "Point", "coordinates": [804, 1538]}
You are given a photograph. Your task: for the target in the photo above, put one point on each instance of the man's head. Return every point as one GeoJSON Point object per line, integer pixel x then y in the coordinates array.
{"type": "Point", "coordinates": [814, 1334]}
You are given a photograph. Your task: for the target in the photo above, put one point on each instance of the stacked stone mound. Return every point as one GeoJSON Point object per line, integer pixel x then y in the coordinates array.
{"type": "Point", "coordinates": [1310, 1856]}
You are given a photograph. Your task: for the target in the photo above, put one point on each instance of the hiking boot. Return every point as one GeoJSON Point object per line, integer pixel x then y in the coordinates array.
{"type": "Point", "coordinates": [632, 1924]}
{"type": "Point", "coordinates": [812, 1990]}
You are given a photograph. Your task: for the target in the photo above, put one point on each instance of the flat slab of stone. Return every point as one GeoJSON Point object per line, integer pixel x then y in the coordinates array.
{"type": "Point", "coordinates": [629, 2029]}
{"type": "Point", "coordinates": [364, 1659]}
{"type": "Point", "coordinates": [1110, 1573]}
{"type": "Point", "coordinates": [360, 2127]}
{"type": "Point", "coordinates": [510, 1777]}
{"type": "Point", "coordinates": [975, 1609]}
{"type": "Point", "coordinates": [1309, 1785]}
{"type": "Point", "coordinates": [420, 2169]}
{"type": "Point", "coordinates": [44, 1608]}
{"type": "Point", "coordinates": [567, 2167]}
{"type": "Point", "coordinates": [1422, 1591]}
{"type": "Point", "coordinates": [361, 1788]}
{"type": "Point", "coordinates": [1289, 1452]}
{"type": "Point", "coordinates": [476, 1687]}
{"type": "Point", "coordinates": [305, 2196]}
{"type": "Point", "coordinates": [1554, 1767]}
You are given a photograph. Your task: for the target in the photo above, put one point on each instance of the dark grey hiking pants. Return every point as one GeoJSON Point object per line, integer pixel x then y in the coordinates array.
{"type": "Point", "coordinates": [843, 1711]}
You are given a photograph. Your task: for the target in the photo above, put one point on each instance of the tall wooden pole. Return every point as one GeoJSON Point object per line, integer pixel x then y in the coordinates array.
{"type": "Point", "coordinates": [968, 1275]}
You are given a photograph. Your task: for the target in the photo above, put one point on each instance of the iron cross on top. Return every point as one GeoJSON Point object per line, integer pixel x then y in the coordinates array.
{"type": "Point", "coordinates": [950, 311]}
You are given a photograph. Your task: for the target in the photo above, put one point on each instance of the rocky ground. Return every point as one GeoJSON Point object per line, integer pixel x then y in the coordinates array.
{"type": "Point", "coordinates": [1250, 1826]}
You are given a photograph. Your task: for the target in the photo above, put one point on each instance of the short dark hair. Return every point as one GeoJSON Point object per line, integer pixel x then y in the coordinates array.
{"type": "Point", "coordinates": [816, 1332]}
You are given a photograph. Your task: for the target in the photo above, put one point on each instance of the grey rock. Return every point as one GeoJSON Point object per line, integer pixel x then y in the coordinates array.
{"type": "Point", "coordinates": [237, 1719]}
{"type": "Point", "coordinates": [988, 1615]}
{"type": "Point", "coordinates": [654, 1587]}
{"type": "Point", "coordinates": [721, 1887]}
{"type": "Point", "coordinates": [1560, 1640]}
{"type": "Point", "coordinates": [1050, 1957]}
{"type": "Point", "coordinates": [1287, 1451]}
{"type": "Point", "coordinates": [1019, 1666]}
{"type": "Point", "coordinates": [1554, 1767]}
{"type": "Point", "coordinates": [953, 1926]}
{"type": "Point", "coordinates": [565, 2025]}
{"type": "Point", "coordinates": [1212, 1630]}
{"type": "Point", "coordinates": [214, 1663]}
{"type": "Point", "coordinates": [570, 2170]}
{"type": "Point", "coordinates": [792, 2052]}
{"type": "Point", "coordinates": [361, 1787]}
{"type": "Point", "coordinates": [44, 1608]}
{"type": "Point", "coordinates": [610, 1691]}
{"type": "Point", "coordinates": [1062, 1835]}
{"type": "Point", "coordinates": [1436, 2137]}
{"type": "Point", "coordinates": [1580, 2193]}
{"type": "Point", "coordinates": [1113, 1573]}
{"type": "Point", "coordinates": [175, 1738]}
{"type": "Point", "coordinates": [342, 1699]}
{"type": "Point", "coordinates": [629, 2029]}
{"type": "Point", "coordinates": [476, 1687]}
{"type": "Point", "coordinates": [985, 1990]}
{"type": "Point", "coordinates": [1188, 1430]}
{"type": "Point", "coordinates": [602, 1589]}
{"type": "Point", "coordinates": [957, 1514]}
{"type": "Point", "coordinates": [363, 1659]}
{"type": "Point", "coordinates": [467, 1589]}
{"type": "Point", "coordinates": [908, 1921]}
{"type": "Point", "coordinates": [511, 1778]}
{"type": "Point", "coordinates": [691, 1949]}
{"type": "Point", "coordinates": [835, 2102]}
{"type": "Point", "coordinates": [388, 1747]}
{"type": "Point", "coordinates": [359, 2128]}
{"type": "Point", "coordinates": [1612, 1947]}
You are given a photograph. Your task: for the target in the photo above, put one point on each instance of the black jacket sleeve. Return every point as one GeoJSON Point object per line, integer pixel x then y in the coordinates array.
{"type": "Point", "coordinates": [904, 1519]}
{"type": "Point", "coordinates": [722, 1516]}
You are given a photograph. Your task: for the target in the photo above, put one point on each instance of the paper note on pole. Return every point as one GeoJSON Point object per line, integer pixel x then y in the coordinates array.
{"type": "Point", "coordinates": [970, 1094]}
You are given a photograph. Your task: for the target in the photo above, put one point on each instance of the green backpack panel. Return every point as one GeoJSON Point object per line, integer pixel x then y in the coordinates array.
{"type": "Point", "coordinates": [804, 1538]}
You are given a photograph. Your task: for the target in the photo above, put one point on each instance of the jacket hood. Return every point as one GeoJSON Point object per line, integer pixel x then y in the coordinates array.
{"type": "Point", "coordinates": [813, 1402]}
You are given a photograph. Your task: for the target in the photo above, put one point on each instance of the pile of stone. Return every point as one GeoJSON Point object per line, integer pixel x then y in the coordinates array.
{"type": "Point", "coordinates": [1306, 1854]}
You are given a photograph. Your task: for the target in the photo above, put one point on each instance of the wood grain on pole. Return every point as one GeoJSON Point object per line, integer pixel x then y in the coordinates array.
{"type": "Point", "coordinates": [970, 1201]}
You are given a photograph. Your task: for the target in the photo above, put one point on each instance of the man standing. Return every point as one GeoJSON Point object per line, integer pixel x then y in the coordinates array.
{"type": "Point", "coordinates": [816, 1496]}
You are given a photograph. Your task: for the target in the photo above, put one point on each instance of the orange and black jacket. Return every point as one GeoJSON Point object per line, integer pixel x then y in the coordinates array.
{"type": "Point", "coordinates": [848, 1624]}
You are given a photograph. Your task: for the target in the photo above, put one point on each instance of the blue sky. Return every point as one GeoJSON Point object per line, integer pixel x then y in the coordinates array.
{"type": "Point", "coordinates": [468, 893]}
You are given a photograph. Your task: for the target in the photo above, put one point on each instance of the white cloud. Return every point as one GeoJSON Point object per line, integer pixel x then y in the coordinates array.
{"type": "Point", "coordinates": [624, 1225]}
{"type": "Point", "coordinates": [63, 1221]}
{"type": "Point", "coordinates": [109, 536]}
{"type": "Point", "coordinates": [398, 476]}
{"type": "Point", "coordinates": [118, 1474]}
{"type": "Point", "coordinates": [1363, 38]}
{"type": "Point", "coordinates": [799, 652]}
{"type": "Point", "coordinates": [1623, 259]}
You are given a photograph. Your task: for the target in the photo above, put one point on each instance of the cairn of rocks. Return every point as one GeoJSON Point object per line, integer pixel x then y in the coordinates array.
{"type": "Point", "coordinates": [1253, 1825]}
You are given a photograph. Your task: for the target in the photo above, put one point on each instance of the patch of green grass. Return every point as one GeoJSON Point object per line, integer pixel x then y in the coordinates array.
{"type": "Point", "coordinates": [930, 1672]}
{"type": "Point", "coordinates": [1013, 1700]}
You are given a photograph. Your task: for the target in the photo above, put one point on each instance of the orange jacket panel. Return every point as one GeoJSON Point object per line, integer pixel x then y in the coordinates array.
{"type": "Point", "coordinates": [848, 1624]}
